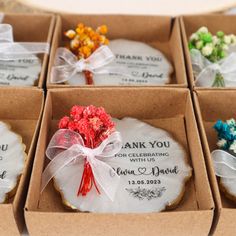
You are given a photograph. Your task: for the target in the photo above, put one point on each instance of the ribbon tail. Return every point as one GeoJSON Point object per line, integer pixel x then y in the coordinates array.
{"type": "Point", "coordinates": [62, 140]}
{"type": "Point", "coordinates": [228, 69]}
{"type": "Point", "coordinates": [224, 164]}
{"type": "Point", "coordinates": [57, 163]}
{"type": "Point", "coordinates": [15, 51]}
{"type": "Point", "coordinates": [1, 17]}
{"type": "Point", "coordinates": [6, 31]}
{"type": "Point", "coordinates": [207, 76]}
{"type": "Point", "coordinates": [60, 74]}
{"type": "Point", "coordinates": [105, 177]}
{"type": "Point", "coordinates": [64, 66]}
{"type": "Point", "coordinates": [204, 70]}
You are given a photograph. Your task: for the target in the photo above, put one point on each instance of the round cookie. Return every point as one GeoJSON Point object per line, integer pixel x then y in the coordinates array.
{"type": "Point", "coordinates": [20, 72]}
{"type": "Point", "coordinates": [227, 186]}
{"type": "Point", "coordinates": [135, 63]}
{"type": "Point", "coordinates": [224, 163]}
{"type": "Point", "coordinates": [153, 170]}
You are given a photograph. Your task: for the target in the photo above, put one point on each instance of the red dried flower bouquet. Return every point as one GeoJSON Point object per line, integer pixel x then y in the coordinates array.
{"type": "Point", "coordinates": [94, 125]}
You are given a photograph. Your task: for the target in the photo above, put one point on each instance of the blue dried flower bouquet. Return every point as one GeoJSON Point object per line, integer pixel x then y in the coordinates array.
{"type": "Point", "coordinates": [226, 135]}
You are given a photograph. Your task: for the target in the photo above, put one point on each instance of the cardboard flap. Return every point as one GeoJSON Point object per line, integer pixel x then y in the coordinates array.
{"type": "Point", "coordinates": [20, 103]}
{"type": "Point", "coordinates": [176, 223]}
{"type": "Point", "coordinates": [120, 102]}
{"type": "Point", "coordinates": [134, 27]}
{"type": "Point", "coordinates": [36, 31]}
{"type": "Point", "coordinates": [214, 22]}
{"type": "Point", "coordinates": [202, 187]}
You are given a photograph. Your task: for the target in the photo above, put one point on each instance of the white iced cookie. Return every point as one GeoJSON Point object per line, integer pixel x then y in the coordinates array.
{"type": "Point", "coordinates": [139, 64]}
{"type": "Point", "coordinates": [224, 163]}
{"type": "Point", "coordinates": [152, 167]}
{"type": "Point", "coordinates": [229, 187]}
{"type": "Point", "coordinates": [12, 159]}
{"type": "Point", "coordinates": [22, 71]}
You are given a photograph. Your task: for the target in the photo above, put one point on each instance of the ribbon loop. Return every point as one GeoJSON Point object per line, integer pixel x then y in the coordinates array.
{"type": "Point", "coordinates": [224, 164]}
{"type": "Point", "coordinates": [66, 64]}
{"type": "Point", "coordinates": [63, 140]}
{"type": "Point", "coordinates": [206, 71]}
{"type": "Point", "coordinates": [67, 146]}
{"type": "Point", "coordinates": [6, 33]}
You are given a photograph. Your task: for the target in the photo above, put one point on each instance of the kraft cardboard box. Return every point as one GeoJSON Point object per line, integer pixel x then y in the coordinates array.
{"type": "Point", "coordinates": [33, 28]}
{"type": "Point", "coordinates": [170, 109]}
{"type": "Point", "coordinates": [161, 32]}
{"type": "Point", "coordinates": [211, 106]}
{"type": "Point", "coordinates": [21, 109]}
{"type": "Point", "coordinates": [214, 22]}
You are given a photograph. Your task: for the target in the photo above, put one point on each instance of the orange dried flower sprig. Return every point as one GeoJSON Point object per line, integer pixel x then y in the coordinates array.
{"type": "Point", "coordinates": [84, 40]}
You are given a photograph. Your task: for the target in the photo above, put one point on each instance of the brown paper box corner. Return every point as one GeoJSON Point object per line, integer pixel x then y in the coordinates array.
{"type": "Point", "coordinates": [160, 31]}
{"type": "Point", "coordinates": [22, 109]}
{"type": "Point", "coordinates": [166, 108]}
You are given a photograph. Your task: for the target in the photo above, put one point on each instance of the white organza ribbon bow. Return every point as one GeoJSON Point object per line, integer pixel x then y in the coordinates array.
{"type": "Point", "coordinates": [18, 50]}
{"type": "Point", "coordinates": [205, 71]}
{"type": "Point", "coordinates": [66, 64]}
{"type": "Point", "coordinates": [72, 149]}
{"type": "Point", "coordinates": [224, 164]}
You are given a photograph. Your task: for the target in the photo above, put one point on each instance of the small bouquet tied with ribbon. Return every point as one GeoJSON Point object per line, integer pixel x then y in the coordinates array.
{"type": "Point", "coordinates": [95, 170]}
{"type": "Point", "coordinates": [78, 152]}
{"type": "Point", "coordinates": [84, 55]}
{"type": "Point", "coordinates": [90, 58]}
{"type": "Point", "coordinates": [224, 158]}
{"type": "Point", "coordinates": [213, 58]}
{"type": "Point", "coordinates": [19, 65]}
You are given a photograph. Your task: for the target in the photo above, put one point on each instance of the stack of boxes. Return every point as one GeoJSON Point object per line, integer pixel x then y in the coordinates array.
{"type": "Point", "coordinates": [186, 111]}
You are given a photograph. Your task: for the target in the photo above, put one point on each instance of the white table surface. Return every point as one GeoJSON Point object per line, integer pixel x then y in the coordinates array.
{"type": "Point", "coordinates": [147, 7]}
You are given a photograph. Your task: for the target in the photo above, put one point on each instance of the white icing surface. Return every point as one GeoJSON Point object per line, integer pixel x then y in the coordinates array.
{"type": "Point", "coordinates": [142, 188]}
{"type": "Point", "coordinates": [230, 185]}
{"type": "Point", "coordinates": [141, 64]}
{"type": "Point", "coordinates": [20, 72]}
{"type": "Point", "coordinates": [12, 158]}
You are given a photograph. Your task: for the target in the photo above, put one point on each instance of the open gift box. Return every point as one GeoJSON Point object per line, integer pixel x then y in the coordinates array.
{"type": "Point", "coordinates": [214, 22]}
{"type": "Point", "coordinates": [170, 109]}
{"type": "Point", "coordinates": [40, 29]}
{"type": "Point", "coordinates": [21, 109]}
{"type": "Point", "coordinates": [211, 106]}
{"type": "Point", "coordinates": [160, 32]}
